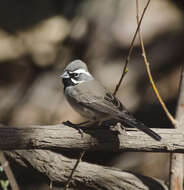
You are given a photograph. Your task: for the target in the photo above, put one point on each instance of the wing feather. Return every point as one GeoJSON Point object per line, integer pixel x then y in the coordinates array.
{"type": "Point", "coordinates": [103, 102]}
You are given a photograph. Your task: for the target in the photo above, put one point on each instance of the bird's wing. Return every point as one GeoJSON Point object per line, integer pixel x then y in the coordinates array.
{"type": "Point", "coordinates": [95, 97]}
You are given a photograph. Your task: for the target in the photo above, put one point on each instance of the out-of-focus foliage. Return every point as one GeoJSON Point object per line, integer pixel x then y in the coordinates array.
{"type": "Point", "coordinates": [4, 183]}
{"type": "Point", "coordinates": [38, 38]}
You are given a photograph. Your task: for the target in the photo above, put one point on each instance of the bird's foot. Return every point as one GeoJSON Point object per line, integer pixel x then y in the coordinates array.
{"type": "Point", "coordinates": [76, 126]}
{"type": "Point", "coordinates": [120, 128]}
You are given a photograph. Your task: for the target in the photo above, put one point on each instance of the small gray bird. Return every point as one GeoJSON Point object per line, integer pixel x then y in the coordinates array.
{"type": "Point", "coordinates": [88, 97]}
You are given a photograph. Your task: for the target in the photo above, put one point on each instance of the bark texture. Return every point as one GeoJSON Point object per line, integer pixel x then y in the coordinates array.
{"type": "Point", "coordinates": [87, 176]}
{"type": "Point", "coordinates": [176, 167]}
{"type": "Point", "coordinates": [62, 137]}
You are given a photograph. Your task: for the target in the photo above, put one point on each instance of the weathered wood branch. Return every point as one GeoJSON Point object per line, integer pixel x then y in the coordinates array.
{"type": "Point", "coordinates": [176, 162]}
{"type": "Point", "coordinates": [87, 176]}
{"type": "Point", "coordinates": [62, 137]}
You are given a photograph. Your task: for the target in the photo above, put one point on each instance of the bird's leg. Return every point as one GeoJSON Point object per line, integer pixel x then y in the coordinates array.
{"type": "Point", "coordinates": [77, 126]}
{"type": "Point", "coordinates": [83, 123]}
{"type": "Point", "coordinates": [69, 123]}
{"type": "Point", "coordinates": [119, 128]}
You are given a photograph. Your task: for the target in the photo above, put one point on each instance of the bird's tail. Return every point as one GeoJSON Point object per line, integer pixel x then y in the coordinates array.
{"type": "Point", "coordinates": [139, 125]}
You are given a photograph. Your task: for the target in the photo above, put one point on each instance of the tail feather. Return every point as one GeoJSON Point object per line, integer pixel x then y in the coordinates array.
{"type": "Point", "coordinates": [142, 127]}
{"type": "Point", "coordinates": [148, 131]}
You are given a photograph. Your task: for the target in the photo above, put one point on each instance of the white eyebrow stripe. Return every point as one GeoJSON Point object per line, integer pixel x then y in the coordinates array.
{"type": "Point", "coordinates": [82, 71]}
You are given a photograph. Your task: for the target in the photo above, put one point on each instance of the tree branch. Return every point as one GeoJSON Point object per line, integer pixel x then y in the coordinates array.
{"type": "Point", "coordinates": [62, 137]}
{"type": "Point", "coordinates": [87, 176]}
{"type": "Point", "coordinates": [176, 162]}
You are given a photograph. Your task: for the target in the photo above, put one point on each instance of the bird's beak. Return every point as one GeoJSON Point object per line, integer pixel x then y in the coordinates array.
{"type": "Point", "coordinates": [65, 75]}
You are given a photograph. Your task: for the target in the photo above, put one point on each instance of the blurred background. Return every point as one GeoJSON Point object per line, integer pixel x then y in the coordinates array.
{"type": "Point", "coordinates": [39, 38]}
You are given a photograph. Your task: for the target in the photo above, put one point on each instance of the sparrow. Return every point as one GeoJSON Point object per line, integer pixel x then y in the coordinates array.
{"type": "Point", "coordinates": [93, 101]}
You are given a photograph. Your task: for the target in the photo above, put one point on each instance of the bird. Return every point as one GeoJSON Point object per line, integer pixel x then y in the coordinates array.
{"type": "Point", "coordinates": [93, 101]}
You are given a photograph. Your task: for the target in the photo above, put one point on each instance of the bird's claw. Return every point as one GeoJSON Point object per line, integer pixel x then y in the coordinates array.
{"type": "Point", "coordinates": [75, 126]}
{"type": "Point", "coordinates": [119, 128]}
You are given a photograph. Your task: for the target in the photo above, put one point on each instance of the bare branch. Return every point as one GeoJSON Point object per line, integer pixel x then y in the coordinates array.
{"type": "Point", "coordinates": [8, 171]}
{"type": "Point", "coordinates": [87, 176]}
{"type": "Point", "coordinates": [171, 118]}
{"type": "Point", "coordinates": [130, 50]}
{"type": "Point", "coordinates": [62, 137]}
{"type": "Point", "coordinates": [73, 170]}
{"type": "Point", "coordinates": [176, 162]}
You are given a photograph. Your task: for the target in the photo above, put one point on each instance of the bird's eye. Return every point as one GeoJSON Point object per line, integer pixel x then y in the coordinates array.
{"type": "Point", "coordinates": [76, 75]}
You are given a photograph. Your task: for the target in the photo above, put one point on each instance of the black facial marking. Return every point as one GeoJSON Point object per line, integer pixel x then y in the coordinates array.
{"type": "Point", "coordinates": [68, 82]}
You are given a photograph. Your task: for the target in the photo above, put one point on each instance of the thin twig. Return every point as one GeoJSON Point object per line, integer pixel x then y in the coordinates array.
{"type": "Point", "coordinates": [130, 50]}
{"type": "Point", "coordinates": [173, 121]}
{"type": "Point", "coordinates": [176, 160]}
{"type": "Point", "coordinates": [74, 169]}
{"type": "Point", "coordinates": [8, 172]}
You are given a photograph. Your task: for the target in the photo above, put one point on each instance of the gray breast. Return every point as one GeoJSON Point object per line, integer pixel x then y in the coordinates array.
{"type": "Point", "coordinates": [78, 105]}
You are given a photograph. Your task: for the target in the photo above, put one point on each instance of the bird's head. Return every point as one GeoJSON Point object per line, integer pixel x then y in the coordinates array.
{"type": "Point", "coordinates": [75, 73]}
